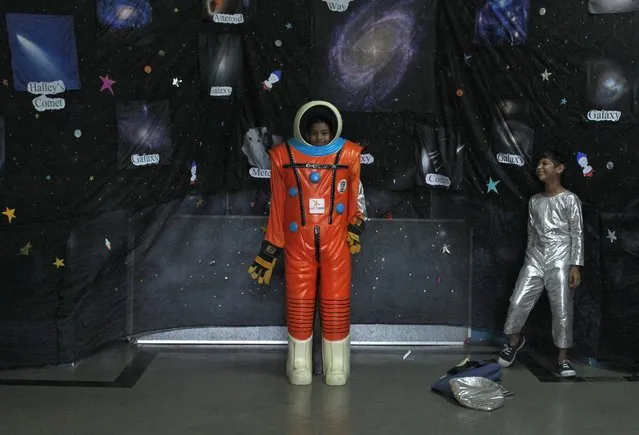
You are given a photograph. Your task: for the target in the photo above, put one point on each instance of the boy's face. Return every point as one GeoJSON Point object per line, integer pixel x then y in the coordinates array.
{"type": "Point", "coordinates": [547, 170]}
{"type": "Point", "coordinates": [319, 134]}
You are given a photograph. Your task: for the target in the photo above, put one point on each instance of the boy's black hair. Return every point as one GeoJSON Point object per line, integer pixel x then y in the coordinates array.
{"type": "Point", "coordinates": [319, 119]}
{"type": "Point", "coordinates": [556, 157]}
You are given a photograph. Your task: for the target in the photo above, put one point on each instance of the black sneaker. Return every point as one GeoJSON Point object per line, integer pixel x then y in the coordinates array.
{"type": "Point", "coordinates": [508, 353]}
{"type": "Point", "coordinates": [565, 369]}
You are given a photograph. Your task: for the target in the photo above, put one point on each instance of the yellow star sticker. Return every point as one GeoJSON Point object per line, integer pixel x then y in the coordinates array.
{"type": "Point", "coordinates": [58, 263]}
{"type": "Point", "coordinates": [91, 178]}
{"type": "Point", "coordinates": [37, 115]}
{"type": "Point", "coordinates": [199, 203]}
{"type": "Point", "coordinates": [10, 213]}
{"type": "Point", "coordinates": [26, 249]}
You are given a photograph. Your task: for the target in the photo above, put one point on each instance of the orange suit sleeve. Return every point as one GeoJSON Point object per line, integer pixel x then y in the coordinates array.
{"type": "Point", "coordinates": [275, 225]}
{"type": "Point", "coordinates": [353, 190]}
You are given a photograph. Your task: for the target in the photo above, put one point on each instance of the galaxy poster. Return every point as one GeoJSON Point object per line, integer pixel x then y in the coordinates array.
{"type": "Point", "coordinates": [501, 22]}
{"type": "Point", "coordinates": [124, 14]}
{"type": "Point", "coordinates": [612, 91]}
{"type": "Point", "coordinates": [613, 6]}
{"type": "Point", "coordinates": [43, 50]}
{"type": "Point", "coordinates": [144, 135]}
{"type": "Point", "coordinates": [227, 11]}
{"type": "Point", "coordinates": [376, 55]}
{"type": "Point", "coordinates": [512, 135]}
{"type": "Point", "coordinates": [221, 63]}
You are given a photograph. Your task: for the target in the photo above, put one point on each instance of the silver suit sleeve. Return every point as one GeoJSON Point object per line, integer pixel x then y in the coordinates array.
{"type": "Point", "coordinates": [361, 201]}
{"type": "Point", "coordinates": [576, 233]}
{"type": "Point", "coordinates": [531, 232]}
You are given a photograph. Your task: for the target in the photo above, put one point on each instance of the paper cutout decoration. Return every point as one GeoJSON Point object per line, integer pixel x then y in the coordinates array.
{"type": "Point", "coordinates": [492, 185]}
{"type": "Point", "coordinates": [587, 170]}
{"type": "Point", "coordinates": [107, 84]}
{"type": "Point", "coordinates": [124, 14]}
{"type": "Point", "coordinates": [221, 63]}
{"type": "Point", "coordinates": [26, 249]}
{"type": "Point", "coordinates": [10, 213]}
{"type": "Point", "coordinates": [275, 77]}
{"type": "Point", "coordinates": [144, 134]}
{"type": "Point", "coordinates": [193, 173]}
{"type": "Point", "coordinates": [43, 50]}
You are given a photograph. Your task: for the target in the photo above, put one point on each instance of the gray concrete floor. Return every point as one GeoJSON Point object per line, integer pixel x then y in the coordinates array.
{"type": "Point", "coordinates": [211, 390]}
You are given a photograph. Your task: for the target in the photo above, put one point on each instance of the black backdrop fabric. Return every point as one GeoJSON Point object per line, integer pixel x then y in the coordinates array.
{"type": "Point", "coordinates": [134, 172]}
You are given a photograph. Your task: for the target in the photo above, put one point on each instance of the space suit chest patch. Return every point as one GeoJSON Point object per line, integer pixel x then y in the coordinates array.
{"type": "Point", "coordinates": [316, 206]}
{"type": "Point", "coordinates": [341, 186]}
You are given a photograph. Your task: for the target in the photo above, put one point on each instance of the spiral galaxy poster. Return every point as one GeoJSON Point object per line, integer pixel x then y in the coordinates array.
{"type": "Point", "coordinates": [375, 55]}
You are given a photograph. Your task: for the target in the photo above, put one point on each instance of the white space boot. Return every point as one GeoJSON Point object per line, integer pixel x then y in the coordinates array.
{"type": "Point", "coordinates": [299, 365]}
{"type": "Point", "coordinates": [337, 360]}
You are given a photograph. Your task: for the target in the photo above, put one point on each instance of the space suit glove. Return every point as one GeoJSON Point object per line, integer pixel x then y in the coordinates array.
{"type": "Point", "coordinates": [262, 268]}
{"type": "Point", "coordinates": [354, 231]}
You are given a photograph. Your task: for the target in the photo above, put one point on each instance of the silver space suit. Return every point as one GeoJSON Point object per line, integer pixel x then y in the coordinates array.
{"type": "Point", "coordinates": [555, 244]}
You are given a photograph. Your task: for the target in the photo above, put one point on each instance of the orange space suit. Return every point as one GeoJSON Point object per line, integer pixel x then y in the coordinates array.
{"type": "Point", "coordinates": [315, 217]}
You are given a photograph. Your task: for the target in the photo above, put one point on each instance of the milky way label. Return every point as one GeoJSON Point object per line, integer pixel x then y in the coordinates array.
{"type": "Point", "coordinates": [337, 5]}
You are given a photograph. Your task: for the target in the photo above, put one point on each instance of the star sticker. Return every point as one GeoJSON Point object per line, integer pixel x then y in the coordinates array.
{"type": "Point", "coordinates": [91, 178]}
{"type": "Point", "coordinates": [10, 213]}
{"type": "Point", "coordinates": [37, 115]}
{"type": "Point", "coordinates": [5, 82]}
{"type": "Point", "coordinates": [26, 249]}
{"type": "Point", "coordinates": [492, 185]}
{"type": "Point", "coordinates": [467, 58]}
{"type": "Point", "coordinates": [176, 82]}
{"type": "Point", "coordinates": [107, 84]}
{"type": "Point", "coordinates": [288, 26]}
{"type": "Point", "coordinates": [563, 102]}
{"type": "Point", "coordinates": [58, 263]}
{"type": "Point", "coordinates": [612, 236]}
{"type": "Point", "coordinates": [263, 228]}
{"type": "Point", "coordinates": [446, 249]}
{"type": "Point", "coordinates": [545, 76]}
{"type": "Point", "coordinates": [199, 203]}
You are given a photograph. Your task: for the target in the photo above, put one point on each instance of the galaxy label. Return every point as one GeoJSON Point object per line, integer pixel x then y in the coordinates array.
{"type": "Point", "coordinates": [337, 5]}
{"type": "Point", "coordinates": [228, 18]}
{"type": "Point", "coordinates": [221, 91]}
{"type": "Point", "coordinates": [437, 180]}
{"type": "Point", "coordinates": [604, 115]}
{"type": "Point", "coordinates": [510, 159]}
{"type": "Point", "coordinates": [46, 88]}
{"type": "Point", "coordinates": [145, 159]}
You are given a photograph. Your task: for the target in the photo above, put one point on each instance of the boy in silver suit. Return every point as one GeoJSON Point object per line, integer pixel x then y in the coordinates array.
{"type": "Point", "coordinates": [554, 253]}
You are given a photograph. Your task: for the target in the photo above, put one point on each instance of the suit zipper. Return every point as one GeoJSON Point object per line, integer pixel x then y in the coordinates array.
{"type": "Point", "coordinates": [316, 232]}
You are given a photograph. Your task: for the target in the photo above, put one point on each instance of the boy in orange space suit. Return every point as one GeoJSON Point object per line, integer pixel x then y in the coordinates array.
{"type": "Point", "coordinates": [316, 217]}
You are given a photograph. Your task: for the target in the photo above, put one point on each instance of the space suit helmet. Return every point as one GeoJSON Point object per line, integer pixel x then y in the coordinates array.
{"type": "Point", "coordinates": [313, 111]}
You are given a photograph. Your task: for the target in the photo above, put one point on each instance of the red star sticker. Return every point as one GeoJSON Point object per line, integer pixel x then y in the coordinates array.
{"type": "Point", "coordinates": [389, 217]}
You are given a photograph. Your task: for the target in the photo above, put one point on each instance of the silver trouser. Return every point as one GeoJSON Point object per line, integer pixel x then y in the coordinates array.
{"type": "Point", "coordinates": [530, 283]}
